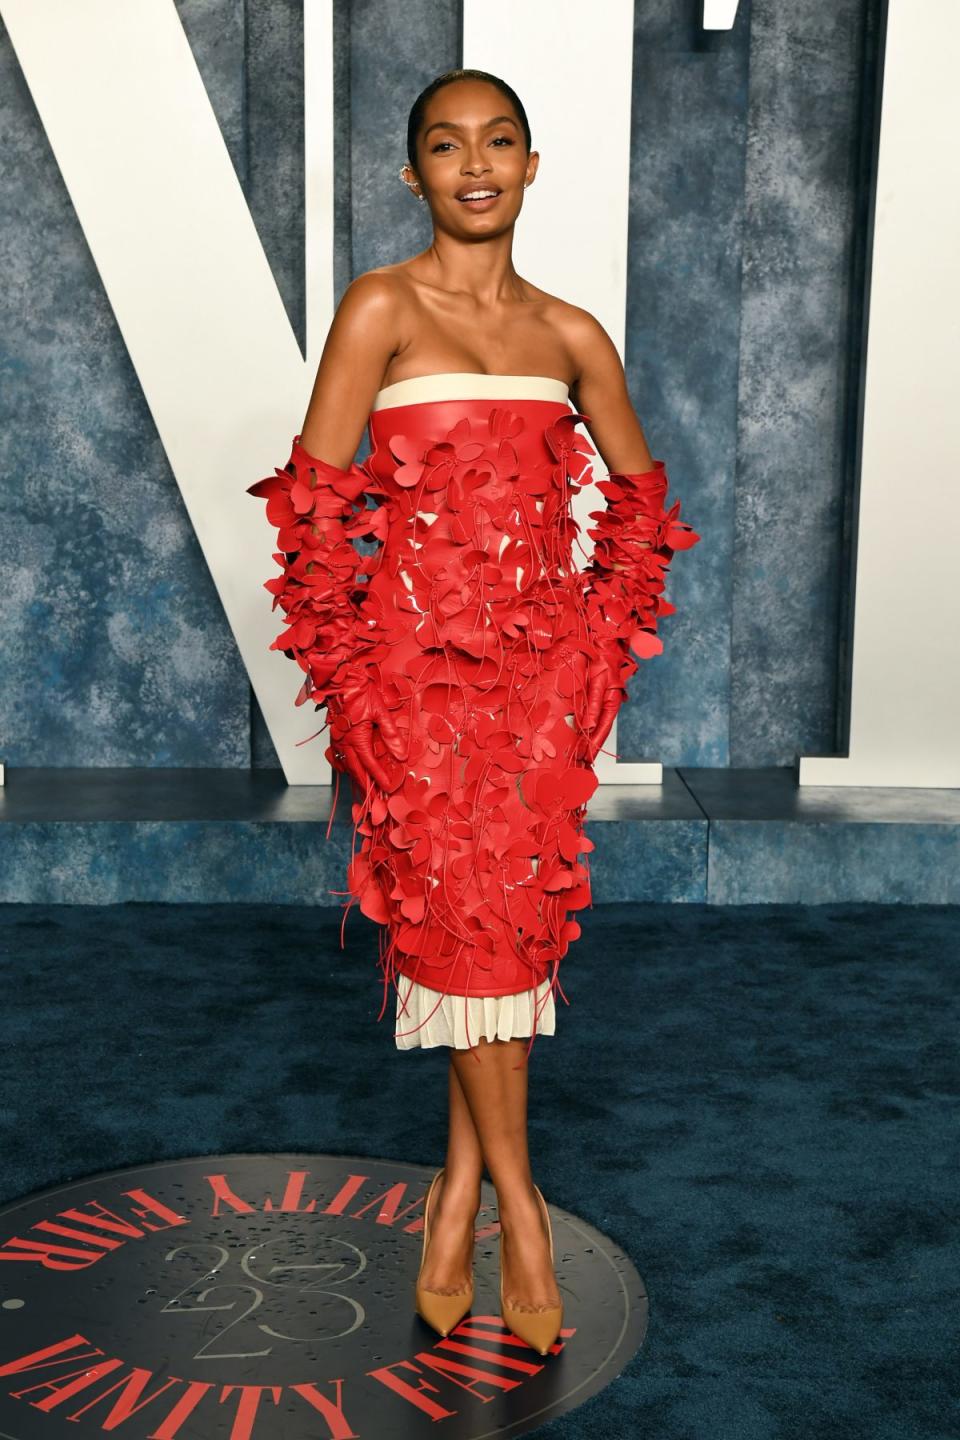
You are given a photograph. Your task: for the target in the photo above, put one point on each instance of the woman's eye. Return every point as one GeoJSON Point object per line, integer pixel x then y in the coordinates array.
{"type": "Point", "coordinates": [497, 140]}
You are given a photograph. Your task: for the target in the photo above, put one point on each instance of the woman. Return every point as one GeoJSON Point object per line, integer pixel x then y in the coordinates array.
{"type": "Point", "coordinates": [472, 676]}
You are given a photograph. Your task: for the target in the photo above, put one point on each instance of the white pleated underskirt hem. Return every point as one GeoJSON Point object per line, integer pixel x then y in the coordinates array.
{"type": "Point", "coordinates": [490, 1017]}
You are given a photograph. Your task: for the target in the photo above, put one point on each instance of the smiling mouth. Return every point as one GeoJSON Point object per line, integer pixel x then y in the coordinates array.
{"type": "Point", "coordinates": [479, 198]}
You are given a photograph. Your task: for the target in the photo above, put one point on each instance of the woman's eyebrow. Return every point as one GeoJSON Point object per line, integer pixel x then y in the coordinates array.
{"type": "Point", "coordinates": [452, 124]}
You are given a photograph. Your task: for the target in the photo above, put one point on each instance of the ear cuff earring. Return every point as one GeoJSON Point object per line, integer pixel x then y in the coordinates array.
{"type": "Point", "coordinates": [408, 183]}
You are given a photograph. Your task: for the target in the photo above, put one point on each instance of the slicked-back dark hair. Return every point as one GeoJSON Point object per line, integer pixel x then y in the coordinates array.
{"type": "Point", "coordinates": [447, 78]}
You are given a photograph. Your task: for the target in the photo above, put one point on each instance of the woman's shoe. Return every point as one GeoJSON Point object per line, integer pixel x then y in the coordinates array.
{"type": "Point", "coordinates": [539, 1328]}
{"type": "Point", "coordinates": [440, 1311]}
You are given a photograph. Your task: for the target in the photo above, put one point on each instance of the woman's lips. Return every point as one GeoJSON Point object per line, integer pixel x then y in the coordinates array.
{"type": "Point", "coordinates": [484, 204]}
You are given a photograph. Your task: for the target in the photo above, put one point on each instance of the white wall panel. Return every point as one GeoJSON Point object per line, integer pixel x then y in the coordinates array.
{"type": "Point", "coordinates": [143, 158]}
{"type": "Point", "coordinates": [905, 711]}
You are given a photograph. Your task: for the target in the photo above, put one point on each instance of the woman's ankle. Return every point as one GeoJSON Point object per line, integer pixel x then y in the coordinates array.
{"type": "Point", "coordinates": [517, 1203]}
{"type": "Point", "coordinates": [463, 1189]}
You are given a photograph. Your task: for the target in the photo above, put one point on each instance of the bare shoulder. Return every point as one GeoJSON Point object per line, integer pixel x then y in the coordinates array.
{"type": "Point", "coordinates": [362, 337]}
{"type": "Point", "coordinates": [375, 293]}
{"type": "Point", "coordinates": [587, 340]}
{"type": "Point", "coordinates": [583, 337]}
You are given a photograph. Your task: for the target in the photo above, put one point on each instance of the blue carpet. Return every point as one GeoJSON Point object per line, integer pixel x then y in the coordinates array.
{"type": "Point", "coordinates": [758, 1102]}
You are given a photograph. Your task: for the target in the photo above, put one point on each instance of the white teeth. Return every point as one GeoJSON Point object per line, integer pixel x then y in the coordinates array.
{"type": "Point", "coordinates": [478, 194]}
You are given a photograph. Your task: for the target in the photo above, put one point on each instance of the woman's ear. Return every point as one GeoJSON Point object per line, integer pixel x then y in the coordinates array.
{"type": "Point", "coordinates": [411, 179]}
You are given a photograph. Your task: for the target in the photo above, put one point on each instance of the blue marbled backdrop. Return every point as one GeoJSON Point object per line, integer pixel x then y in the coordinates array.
{"type": "Point", "coordinates": [747, 222]}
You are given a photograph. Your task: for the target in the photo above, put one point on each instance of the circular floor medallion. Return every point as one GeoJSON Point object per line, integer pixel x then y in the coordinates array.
{"type": "Point", "coordinates": [269, 1296]}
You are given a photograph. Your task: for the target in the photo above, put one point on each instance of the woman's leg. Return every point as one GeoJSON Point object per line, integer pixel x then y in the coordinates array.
{"type": "Point", "coordinates": [496, 1094]}
{"type": "Point", "coordinates": [456, 1200]}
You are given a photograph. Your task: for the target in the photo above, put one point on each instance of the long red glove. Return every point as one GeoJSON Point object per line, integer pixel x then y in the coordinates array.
{"type": "Point", "coordinates": [318, 509]}
{"type": "Point", "coordinates": [635, 540]}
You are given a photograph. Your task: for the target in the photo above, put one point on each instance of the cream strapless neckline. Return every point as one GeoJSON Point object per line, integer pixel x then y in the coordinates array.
{"type": "Point", "coordinates": [471, 385]}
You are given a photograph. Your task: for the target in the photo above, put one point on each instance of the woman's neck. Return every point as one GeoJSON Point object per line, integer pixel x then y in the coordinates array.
{"type": "Point", "coordinates": [482, 271]}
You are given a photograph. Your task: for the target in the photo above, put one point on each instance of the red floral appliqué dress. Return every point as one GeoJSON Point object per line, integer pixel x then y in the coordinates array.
{"type": "Point", "coordinates": [464, 665]}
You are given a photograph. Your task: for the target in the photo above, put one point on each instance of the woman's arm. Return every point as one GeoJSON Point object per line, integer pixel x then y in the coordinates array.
{"type": "Point", "coordinates": [317, 505]}
{"type": "Point", "coordinates": [600, 392]}
{"type": "Point", "coordinates": [635, 535]}
{"type": "Point", "coordinates": [362, 339]}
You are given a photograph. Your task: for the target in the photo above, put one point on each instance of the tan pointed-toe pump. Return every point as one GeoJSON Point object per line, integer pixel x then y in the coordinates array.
{"type": "Point", "coordinates": [440, 1311]}
{"type": "Point", "coordinates": [539, 1328]}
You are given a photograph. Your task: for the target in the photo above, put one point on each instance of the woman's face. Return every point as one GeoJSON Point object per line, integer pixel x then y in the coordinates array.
{"type": "Point", "coordinates": [471, 142]}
